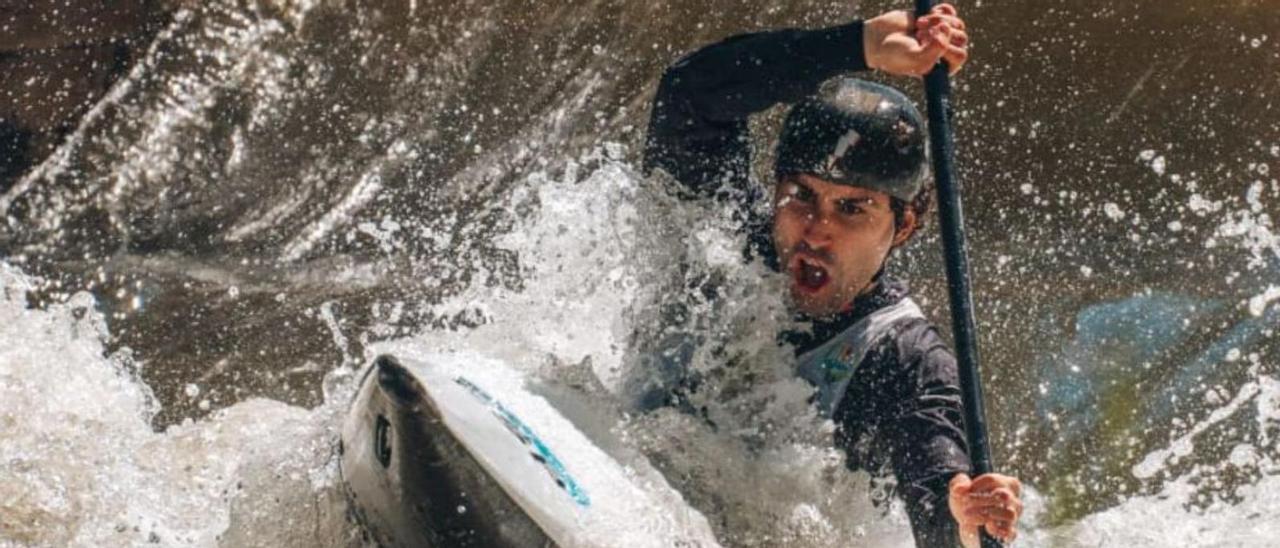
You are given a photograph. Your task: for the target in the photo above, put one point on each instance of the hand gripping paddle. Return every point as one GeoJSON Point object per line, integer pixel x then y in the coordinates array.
{"type": "Point", "coordinates": [942, 149]}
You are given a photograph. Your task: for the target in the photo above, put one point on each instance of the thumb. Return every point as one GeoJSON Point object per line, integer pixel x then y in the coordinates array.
{"type": "Point", "coordinates": [960, 484]}
{"type": "Point", "coordinates": [926, 51]}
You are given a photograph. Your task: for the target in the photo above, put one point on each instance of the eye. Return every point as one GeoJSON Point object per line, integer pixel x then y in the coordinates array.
{"type": "Point", "coordinates": [802, 193]}
{"type": "Point", "coordinates": [849, 207]}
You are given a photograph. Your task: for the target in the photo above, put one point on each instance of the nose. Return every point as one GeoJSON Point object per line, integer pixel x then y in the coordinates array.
{"type": "Point", "coordinates": [818, 229]}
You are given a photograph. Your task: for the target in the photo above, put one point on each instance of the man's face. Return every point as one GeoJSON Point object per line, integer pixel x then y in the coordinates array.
{"type": "Point", "coordinates": [831, 239]}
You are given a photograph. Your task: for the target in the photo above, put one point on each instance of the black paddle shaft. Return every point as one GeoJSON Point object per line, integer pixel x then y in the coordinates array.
{"type": "Point", "coordinates": [951, 217]}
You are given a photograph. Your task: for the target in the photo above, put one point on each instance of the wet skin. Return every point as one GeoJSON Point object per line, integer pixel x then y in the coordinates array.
{"type": "Point", "coordinates": [831, 240]}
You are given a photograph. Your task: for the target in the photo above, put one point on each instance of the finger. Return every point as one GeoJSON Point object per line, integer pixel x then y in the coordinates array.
{"type": "Point", "coordinates": [988, 511]}
{"type": "Point", "coordinates": [936, 33]}
{"type": "Point", "coordinates": [929, 57]}
{"type": "Point", "coordinates": [1002, 531]}
{"type": "Point", "coordinates": [959, 37]}
{"type": "Point", "coordinates": [1002, 495]}
{"type": "Point", "coordinates": [959, 481]}
{"type": "Point", "coordinates": [944, 9]}
{"type": "Point", "coordinates": [979, 501]}
{"type": "Point", "coordinates": [1005, 531]}
{"type": "Point", "coordinates": [943, 20]}
{"type": "Point", "coordinates": [991, 482]}
{"type": "Point", "coordinates": [1000, 498]}
{"type": "Point", "coordinates": [986, 515]}
{"type": "Point", "coordinates": [924, 53]}
{"type": "Point", "coordinates": [1017, 507]}
{"type": "Point", "coordinates": [1006, 494]}
{"type": "Point", "coordinates": [986, 482]}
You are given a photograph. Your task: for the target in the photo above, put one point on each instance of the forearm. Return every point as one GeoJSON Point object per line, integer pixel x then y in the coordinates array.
{"type": "Point", "coordinates": [929, 441]}
{"type": "Point", "coordinates": [730, 80]}
{"type": "Point", "coordinates": [698, 126]}
{"type": "Point", "coordinates": [926, 505]}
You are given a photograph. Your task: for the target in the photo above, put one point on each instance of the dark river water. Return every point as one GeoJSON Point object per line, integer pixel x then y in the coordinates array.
{"type": "Point", "coordinates": [276, 186]}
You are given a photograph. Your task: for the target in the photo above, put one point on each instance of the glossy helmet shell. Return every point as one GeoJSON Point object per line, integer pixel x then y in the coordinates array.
{"type": "Point", "coordinates": [856, 133]}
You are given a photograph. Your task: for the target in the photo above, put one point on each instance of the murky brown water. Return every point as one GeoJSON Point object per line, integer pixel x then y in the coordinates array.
{"type": "Point", "coordinates": [214, 199]}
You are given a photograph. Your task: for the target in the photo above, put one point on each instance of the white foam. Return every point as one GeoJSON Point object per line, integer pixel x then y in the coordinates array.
{"type": "Point", "coordinates": [592, 273]}
{"type": "Point", "coordinates": [578, 257]}
{"type": "Point", "coordinates": [82, 467]}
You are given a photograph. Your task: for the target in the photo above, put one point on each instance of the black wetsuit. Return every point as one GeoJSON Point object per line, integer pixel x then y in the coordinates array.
{"type": "Point", "coordinates": [902, 410]}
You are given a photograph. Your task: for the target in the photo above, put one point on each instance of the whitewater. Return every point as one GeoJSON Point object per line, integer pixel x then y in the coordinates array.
{"type": "Point", "coordinates": [281, 190]}
{"type": "Point", "coordinates": [84, 467]}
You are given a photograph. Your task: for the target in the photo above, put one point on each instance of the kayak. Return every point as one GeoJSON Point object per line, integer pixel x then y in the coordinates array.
{"type": "Point", "coordinates": [454, 450]}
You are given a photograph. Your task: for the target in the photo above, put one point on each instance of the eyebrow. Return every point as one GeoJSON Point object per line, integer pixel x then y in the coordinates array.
{"type": "Point", "coordinates": [797, 185]}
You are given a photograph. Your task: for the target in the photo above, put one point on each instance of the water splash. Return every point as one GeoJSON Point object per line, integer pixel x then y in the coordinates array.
{"type": "Point", "coordinates": [82, 466]}
{"type": "Point", "coordinates": [410, 173]}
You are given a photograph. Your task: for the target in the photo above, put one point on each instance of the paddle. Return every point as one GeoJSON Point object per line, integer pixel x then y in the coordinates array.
{"type": "Point", "coordinates": [937, 85]}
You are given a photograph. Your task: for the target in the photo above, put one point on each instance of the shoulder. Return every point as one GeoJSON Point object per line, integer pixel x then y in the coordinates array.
{"type": "Point", "coordinates": [914, 348]}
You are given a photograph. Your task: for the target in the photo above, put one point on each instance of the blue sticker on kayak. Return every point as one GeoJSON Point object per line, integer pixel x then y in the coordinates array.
{"type": "Point", "coordinates": [539, 450]}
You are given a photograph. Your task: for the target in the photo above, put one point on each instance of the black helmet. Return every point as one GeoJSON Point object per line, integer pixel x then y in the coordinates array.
{"type": "Point", "coordinates": [856, 133]}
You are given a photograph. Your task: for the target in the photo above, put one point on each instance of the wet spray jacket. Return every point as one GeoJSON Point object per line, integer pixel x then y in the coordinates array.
{"type": "Point", "coordinates": [883, 373]}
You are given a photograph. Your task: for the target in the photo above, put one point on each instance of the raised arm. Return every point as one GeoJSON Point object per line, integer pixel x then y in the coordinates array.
{"type": "Point", "coordinates": [698, 126]}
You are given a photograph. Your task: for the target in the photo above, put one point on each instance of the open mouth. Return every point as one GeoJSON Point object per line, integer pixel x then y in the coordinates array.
{"type": "Point", "coordinates": [809, 275]}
